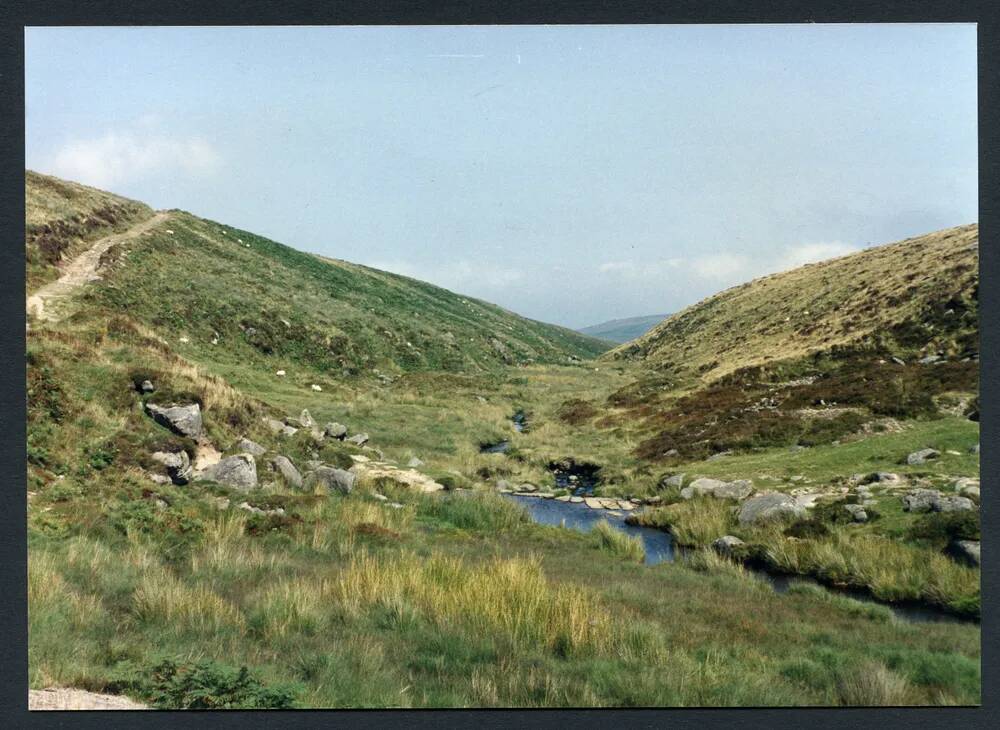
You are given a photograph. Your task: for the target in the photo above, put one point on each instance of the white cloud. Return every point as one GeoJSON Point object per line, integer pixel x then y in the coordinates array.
{"type": "Point", "coordinates": [120, 157]}
{"type": "Point", "coordinates": [463, 276]}
{"type": "Point", "coordinates": [641, 269]}
{"type": "Point", "coordinates": [721, 266]}
{"type": "Point", "coordinates": [808, 253]}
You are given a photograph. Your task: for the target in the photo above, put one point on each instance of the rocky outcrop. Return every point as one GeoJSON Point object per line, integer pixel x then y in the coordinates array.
{"type": "Point", "coordinates": [922, 457]}
{"type": "Point", "coordinates": [773, 507]}
{"type": "Point", "coordinates": [373, 472]}
{"type": "Point", "coordinates": [930, 500]}
{"type": "Point", "coordinates": [857, 512]}
{"type": "Point", "coordinates": [183, 420]}
{"type": "Point", "coordinates": [358, 439]}
{"type": "Point", "coordinates": [239, 472]}
{"type": "Point", "coordinates": [246, 446]}
{"type": "Point", "coordinates": [968, 550]}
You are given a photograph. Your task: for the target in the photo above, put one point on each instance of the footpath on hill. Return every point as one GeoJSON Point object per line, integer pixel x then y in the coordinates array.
{"type": "Point", "coordinates": [84, 268]}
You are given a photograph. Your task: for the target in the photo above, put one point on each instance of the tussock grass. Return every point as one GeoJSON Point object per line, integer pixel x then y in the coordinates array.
{"type": "Point", "coordinates": [616, 542]}
{"type": "Point", "coordinates": [693, 523]}
{"type": "Point", "coordinates": [162, 598]}
{"type": "Point", "coordinates": [872, 685]}
{"type": "Point", "coordinates": [509, 597]}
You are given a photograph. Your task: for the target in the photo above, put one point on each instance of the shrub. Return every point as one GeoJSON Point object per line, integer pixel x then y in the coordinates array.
{"type": "Point", "coordinates": [203, 685]}
{"type": "Point", "coordinates": [940, 528]}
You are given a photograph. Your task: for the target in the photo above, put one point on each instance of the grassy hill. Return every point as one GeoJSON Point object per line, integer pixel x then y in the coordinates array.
{"type": "Point", "coordinates": [912, 297]}
{"type": "Point", "coordinates": [62, 218]}
{"type": "Point", "coordinates": [623, 330]}
{"type": "Point", "coordinates": [260, 300]}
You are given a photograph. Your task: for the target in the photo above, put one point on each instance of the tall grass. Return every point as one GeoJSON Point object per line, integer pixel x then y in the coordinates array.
{"type": "Point", "coordinates": [616, 542]}
{"type": "Point", "coordinates": [507, 597]}
{"type": "Point", "coordinates": [872, 685]}
{"type": "Point", "coordinates": [693, 523]}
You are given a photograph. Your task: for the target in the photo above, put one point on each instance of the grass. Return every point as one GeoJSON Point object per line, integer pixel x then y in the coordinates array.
{"type": "Point", "coordinates": [455, 599]}
{"type": "Point", "coordinates": [616, 542]}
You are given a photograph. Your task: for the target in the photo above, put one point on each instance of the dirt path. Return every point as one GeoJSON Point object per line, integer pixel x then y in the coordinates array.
{"type": "Point", "coordinates": [64, 698]}
{"type": "Point", "coordinates": [83, 268]}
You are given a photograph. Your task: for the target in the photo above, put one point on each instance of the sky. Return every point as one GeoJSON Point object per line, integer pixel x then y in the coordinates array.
{"type": "Point", "coordinates": [571, 174]}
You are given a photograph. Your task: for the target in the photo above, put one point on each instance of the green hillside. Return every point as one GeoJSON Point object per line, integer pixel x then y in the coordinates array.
{"type": "Point", "coordinates": [623, 330]}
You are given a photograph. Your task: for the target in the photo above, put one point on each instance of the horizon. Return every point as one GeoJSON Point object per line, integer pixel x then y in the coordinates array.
{"type": "Point", "coordinates": [425, 187]}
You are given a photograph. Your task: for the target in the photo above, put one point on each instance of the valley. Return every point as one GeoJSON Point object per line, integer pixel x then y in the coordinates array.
{"type": "Point", "coordinates": [352, 543]}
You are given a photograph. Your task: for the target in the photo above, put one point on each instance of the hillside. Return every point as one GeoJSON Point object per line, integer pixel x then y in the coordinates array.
{"type": "Point", "coordinates": [623, 330]}
{"type": "Point", "coordinates": [913, 297]}
{"type": "Point", "coordinates": [261, 301]}
{"type": "Point", "coordinates": [62, 218]}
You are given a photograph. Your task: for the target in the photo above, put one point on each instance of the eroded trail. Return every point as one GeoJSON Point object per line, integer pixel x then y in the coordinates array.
{"type": "Point", "coordinates": [83, 268]}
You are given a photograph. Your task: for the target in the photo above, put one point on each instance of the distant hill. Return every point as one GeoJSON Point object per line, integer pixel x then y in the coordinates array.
{"type": "Point", "coordinates": [912, 297]}
{"type": "Point", "coordinates": [623, 330]}
{"type": "Point", "coordinates": [231, 291]}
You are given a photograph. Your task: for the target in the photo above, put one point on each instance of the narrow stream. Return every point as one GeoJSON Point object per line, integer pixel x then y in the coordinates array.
{"type": "Point", "coordinates": [660, 548]}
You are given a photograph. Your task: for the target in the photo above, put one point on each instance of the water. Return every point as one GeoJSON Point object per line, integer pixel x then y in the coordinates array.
{"type": "Point", "coordinates": [500, 447]}
{"type": "Point", "coordinates": [520, 421]}
{"type": "Point", "coordinates": [660, 548]}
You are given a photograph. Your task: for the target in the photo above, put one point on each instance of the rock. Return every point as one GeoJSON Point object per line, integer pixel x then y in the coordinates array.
{"type": "Point", "coordinates": [563, 498]}
{"type": "Point", "coordinates": [380, 497]}
{"type": "Point", "coordinates": [898, 361]}
{"type": "Point", "coordinates": [576, 500]}
{"type": "Point", "coordinates": [275, 426]}
{"type": "Point", "coordinates": [335, 430]}
{"type": "Point", "coordinates": [146, 386]}
{"type": "Point", "coordinates": [920, 500]}
{"type": "Point", "coordinates": [593, 503]}
{"type": "Point", "coordinates": [739, 489]}
{"type": "Point", "coordinates": [221, 503]}
{"type": "Point", "coordinates": [953, 503]}
{"type": "Point", "coordinates": [952, 452]}
{"type": "Point", "coordinates": [966, 483]}
{"type": "Point", "coordinates": [545, 495]}
{"type": "Point", "coordinates": [414, 463]}
{"type": "Point", "coordinates": [674, 481]}
{"type": "Point", "coordinates": [258, 511]}
{"type": "Point", "coordinates": [185, 420]}
{"type": "Point", "coordinates": [626, 505]}
{"type": "Point", "coordinates": [719, 455]}
{"type": "Point", "coordinates": [306, 419]}
{"type": "Point", "coordinates": [178, 465]}
{"type": "Point", "coordinates": [857, 512]}
{"type": "Point", "coordinates": [526, 487]}
{"type": "Point", "coordinates": [280, 373]}
{"type": "Point", "coordinates": [359, 439]}
{"type": "Point", "coordinates": [503, 484]}
{"type": "Point", "coordinates": [317, 388]}
{"type": "Point", "coordinates": [239, 472]}
{"type": "Point", "coordinates": [727, 545]}
{"type": "Point", "coordinates": [376, 473]}
{"type": "Point", "coordinates": [883, 477]}
{"type": "Point", "coordinates": [287, 470]}
{"type": "Point", "coordinates": [968, 549]}
{"type": "Point", "coordinates": [246, 446]}
{"type": "Point", "coordinates": [922, 456]}
{"type": "Point", "coordinates": [929, 359]}
{"type": "Point", "coordinates": [334, 480]}
{"type": "Point", "coordinates": [773, 507]}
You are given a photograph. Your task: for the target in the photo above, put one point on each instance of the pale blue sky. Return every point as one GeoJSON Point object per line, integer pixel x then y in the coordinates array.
{"type": "Point", "coordinates": [571, 174]}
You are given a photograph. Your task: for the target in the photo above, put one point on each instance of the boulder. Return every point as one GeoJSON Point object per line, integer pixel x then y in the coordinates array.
{"type": "Point", "coordinates": [246, 446]}
{"type": "Point", "coordinates": [178, 465]}
{"type": "Point", "coordinates": [287, 470]}
{"type": "Point", "coordinates": [274, 425]}
{"type": "Point", "coordinates": [965, 483]}
{"type": "Point", "coordinates": [774, 507]}
{"type": "Point", "coordinates": [968, 549]}
{"type": "Point", "coordinates": [922, 456]}
{"type": "Point", "coordinates": [335, 430]}
{"type": "Point", "coordinates": [739, 489]}
{"type": "Point", "coordinates": [359, 439]}
{"type": "Point", "coordinates": [857, 512]}
{"type": "Point", "coordinates": [920, 500]}
{"type": "Point", "coordinates": [727, 545]}
{"type": "Point", "coordinates": [306, 419]}
{"type": "Point", "coordinates": [414, 463]}
{"type": "Point", "coordinates": [375, 473]}
{"type": "Point", "coordinates": [526, 487]}
{"type": "Point", "coordinates": [953, 503]}
{"type": "Point", "coordinates": [185, 420]}
{"type": "Point", "coordinates": [239, 472]}
{"type": "Point", "coordinates": [674, 481]}
{"type": "Point", "coordinates": [334, 480]}
{"type": "Point", "coordinates": [146, 386]}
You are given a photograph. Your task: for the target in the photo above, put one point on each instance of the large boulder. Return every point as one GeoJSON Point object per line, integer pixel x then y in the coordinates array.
{"type": "Point", "coordinates": [727, 545]}
{"type": "Point", "coordinates": [373, 473]}
{"type": "Point", "coordinates": [968, 549]}
{"type": "Point", "coordinates": [358, 439]}
{"type": "Point", "coordinates": [239, 472]}
{"type": "Point", "coordinates": [739, 489]}
{"type": "Point", "coordinates": [953, 503]}
{"type": "Point", "coordinates": [674, 481]}
{"type": "Point", "coordinates": [922, 456]}
{"type": "Point", "coordinates": [306, 419]}
{"type": "Point", "coordinates": [178, 465]}
{"type": "Point", "coordinates": [185, 420]}
{"type": "Point", "coordinates": [334, 480]}
{"type": "Point", "coordinates": [857, 512]}
{"type": "Point", "coordinates": [335, 430]}
{"type": "Point", "coordinates": [930, 500]}
{"type": "Point", "coordinates": [773, 507]}
{"type": "Point", "coordinates": [287, 470]}
{"type": "Point", "coordinates": [246, 446]}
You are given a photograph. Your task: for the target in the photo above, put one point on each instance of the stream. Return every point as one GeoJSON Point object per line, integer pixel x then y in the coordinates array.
{"type": "Point", "coordinates": [660, 548]}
